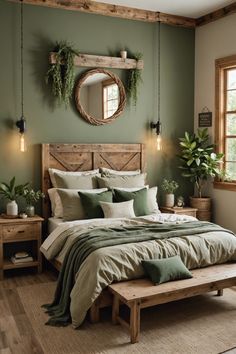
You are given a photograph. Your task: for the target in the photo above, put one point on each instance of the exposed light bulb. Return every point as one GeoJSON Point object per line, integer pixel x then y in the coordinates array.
{"type": "Point", "coordinates": [159, 142]}
{"type": "Point", "coordinates": [22, 142]}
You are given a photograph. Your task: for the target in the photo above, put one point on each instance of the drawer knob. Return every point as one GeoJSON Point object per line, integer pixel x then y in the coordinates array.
{"type": "Point", "coordinates": [21, 231]}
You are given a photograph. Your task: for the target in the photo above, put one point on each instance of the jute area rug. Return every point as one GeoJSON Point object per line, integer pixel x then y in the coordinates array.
{"type": "Point", "coordinates": [203, 324]}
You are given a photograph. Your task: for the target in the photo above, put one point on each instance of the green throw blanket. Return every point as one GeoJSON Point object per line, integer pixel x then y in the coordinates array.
{"type": "Point", "coordinates": [94, 239]}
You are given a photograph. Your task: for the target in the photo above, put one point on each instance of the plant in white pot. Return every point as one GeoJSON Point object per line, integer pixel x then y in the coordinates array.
{"type": "Point", "coordinates": [169, 187]}
{"type": "Point", "coordinates": [31, 197]}
{"type": "Point", "coordinates": [11, 192]}
{"type": "Point", "coordinates": [199, 163]}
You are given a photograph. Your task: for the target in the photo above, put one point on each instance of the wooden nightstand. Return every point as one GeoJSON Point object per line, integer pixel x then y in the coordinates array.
{"type": "Point", "coordinates": [20, 235]}
{"type": "Point", "coordinates": [181, 211]}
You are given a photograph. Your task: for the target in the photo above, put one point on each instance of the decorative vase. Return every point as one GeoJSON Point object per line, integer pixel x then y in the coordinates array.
{"type": "Point", "coordinates": [169, 200]}
{"type": "Point", "coordinates": [12, 208]}
{"type": "Point", "coordinates": [30, 211]}
{"type": "Point", "coordinates": [123, 54]}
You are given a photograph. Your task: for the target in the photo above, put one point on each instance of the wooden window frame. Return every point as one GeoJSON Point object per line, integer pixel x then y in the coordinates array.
{"type": "Point", "coordinates": [221, 67]}
{"type": "Point", "coordinates": [106, 83]}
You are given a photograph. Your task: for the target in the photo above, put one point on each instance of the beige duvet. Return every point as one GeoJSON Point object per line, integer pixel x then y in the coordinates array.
{"type": "Point", "coordinates": [122, 262]}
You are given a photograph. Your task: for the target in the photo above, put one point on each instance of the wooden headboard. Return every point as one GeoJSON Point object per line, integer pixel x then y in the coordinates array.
{"type": "Point", "coordinates": [83, 157]}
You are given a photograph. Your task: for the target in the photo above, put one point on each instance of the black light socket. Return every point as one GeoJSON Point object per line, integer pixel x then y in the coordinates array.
{"type": "Point", "coordinates": [156, 126]}
{"type": "Point", "coordinates": [21, 125]}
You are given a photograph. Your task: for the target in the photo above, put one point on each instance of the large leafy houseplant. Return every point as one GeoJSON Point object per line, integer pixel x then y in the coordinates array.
{"type": "Point", "coordinates": [61, 76]}
{"type": "Point", "coordinates": [199, 161]}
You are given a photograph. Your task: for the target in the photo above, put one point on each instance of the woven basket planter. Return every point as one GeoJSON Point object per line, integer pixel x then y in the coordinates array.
{"type": "Point", "coordinates": [204, 207]}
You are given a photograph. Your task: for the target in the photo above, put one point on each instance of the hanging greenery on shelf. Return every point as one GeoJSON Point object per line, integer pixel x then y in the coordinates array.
{"type": "Point", "coordinates": [134, 80]}
{"type": "Point", "coordinates": [61, 77]}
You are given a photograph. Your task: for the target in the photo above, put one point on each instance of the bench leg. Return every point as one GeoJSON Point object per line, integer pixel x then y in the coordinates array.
{"type": "Point", "coordinates": [220, 292]}
{"type": "Point", "coordinates": [94, 313]}
{"type": "Point", "coordinates": [134, 322]}
{"type": "Point", "coordinates": [115, 309]}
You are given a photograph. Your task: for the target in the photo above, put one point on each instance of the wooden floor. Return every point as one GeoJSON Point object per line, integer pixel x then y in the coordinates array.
{"type": "Point", "coordinates": [18, 336]}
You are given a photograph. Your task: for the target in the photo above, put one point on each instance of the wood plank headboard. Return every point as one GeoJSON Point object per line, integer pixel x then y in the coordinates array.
{"type": "Point", "coordinates": [82, 157]}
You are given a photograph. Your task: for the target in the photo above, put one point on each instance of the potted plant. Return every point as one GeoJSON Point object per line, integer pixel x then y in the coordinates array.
{"type": "Point", "coordinates": [31, 197]}
{"type": "Point", "coordinates": [134, 80]}
{"type": "Point", "coordinates": [199, 163]}
{"type": "Point", "coordinates": [60, 76]}
{"type": "Point", "coordinates": [169, 186]}
{"type": "Point", "coordinates": [11, 192]}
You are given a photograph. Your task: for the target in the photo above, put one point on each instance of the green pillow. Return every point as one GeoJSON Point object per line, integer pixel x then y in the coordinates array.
{"type": "Point", "coordinates": [140, 200]}
{"type": "Point", "coordinates": [166, 269]}
{"type": "Point", "coordinates": [91, 203]}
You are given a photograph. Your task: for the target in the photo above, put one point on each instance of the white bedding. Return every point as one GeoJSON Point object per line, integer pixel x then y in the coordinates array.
{"type": "Point", "coordinates": [53, 223]}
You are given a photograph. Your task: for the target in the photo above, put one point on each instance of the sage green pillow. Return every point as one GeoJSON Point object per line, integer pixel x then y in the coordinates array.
{"type": "Point", "coordinates": [91, 203]}
{"type": "Point", "coordinates": [166, 269]}
{"type": "Point", "coordinates": [75, 182]}
{"type": "Point", "coordinates": [71, 205]}
{"type": "Point", "coordinates": [122, 181]}
{"type": "Point", "coordinates": [140, 200]}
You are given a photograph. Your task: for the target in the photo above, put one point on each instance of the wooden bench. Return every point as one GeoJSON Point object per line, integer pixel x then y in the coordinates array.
{"type": "Point", "coordinates": [141, 293]}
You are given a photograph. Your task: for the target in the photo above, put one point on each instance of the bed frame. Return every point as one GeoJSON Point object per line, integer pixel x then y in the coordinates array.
{"type": "Point", "coordinates": [81, 157]}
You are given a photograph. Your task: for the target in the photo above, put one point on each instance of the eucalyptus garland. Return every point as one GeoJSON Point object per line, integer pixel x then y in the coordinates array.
{"type": "Point", "coordinates": [61, 77]}
{"type": "Point", "coordinates": [134, 80]}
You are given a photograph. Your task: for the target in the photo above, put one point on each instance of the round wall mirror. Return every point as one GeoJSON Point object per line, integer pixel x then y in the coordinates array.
{"type": "Point", "coordinates": [100, 96]}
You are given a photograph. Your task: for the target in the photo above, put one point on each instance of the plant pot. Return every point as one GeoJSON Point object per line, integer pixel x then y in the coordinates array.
{"type": "Point", "coordinates": [204, 207]}
{"type": "Point", "coordinates": [30, 211]}
{"type": "Point", "coordinates": [169, 200]}
{"type": "Point", "coordinates": [123, 54]}
{"type": "Point", "coordinates": [12, 208]}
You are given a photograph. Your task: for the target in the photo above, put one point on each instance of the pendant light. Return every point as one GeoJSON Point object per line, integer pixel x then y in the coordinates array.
{"type": "Point", "coordinates": [21, 123]}
{"type": "Point", "coordinates": [157, 125]}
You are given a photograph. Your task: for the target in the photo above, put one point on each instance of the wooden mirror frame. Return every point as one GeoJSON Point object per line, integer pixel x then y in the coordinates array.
{"type": "Point", "coordinates": [122, 95]}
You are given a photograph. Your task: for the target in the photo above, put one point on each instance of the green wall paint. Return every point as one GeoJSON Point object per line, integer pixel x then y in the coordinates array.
{"type": "Point", "coordinates": [95, 35]}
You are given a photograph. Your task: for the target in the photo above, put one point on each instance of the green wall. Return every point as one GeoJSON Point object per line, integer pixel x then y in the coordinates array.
{"type": "Point", "coordinates": [91, 34]}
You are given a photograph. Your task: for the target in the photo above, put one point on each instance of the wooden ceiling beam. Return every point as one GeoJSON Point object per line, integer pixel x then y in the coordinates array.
{"type": "Point", "coordinates": [130, 13]}
{"type": "Point", "coordinates": [216, 15]}
{"type": "Point", "coordinates": [100, 8]}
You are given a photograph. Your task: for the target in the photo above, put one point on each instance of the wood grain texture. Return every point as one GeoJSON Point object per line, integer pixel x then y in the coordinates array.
{"type": "Point", "coordinates": [216, 15]}
{"type": "Point", "coordinates": [99, 61]}
{"type": "Point", "coordinates": [141, 293]}
{"type": "Point", "coordinates": [125, 12]}
{"type": "Point", "coordinates": [16, 332]}
{"type": "Point", "coordinates": [82, 157]}
{"type": "Point", "coordinates": [20, 230]}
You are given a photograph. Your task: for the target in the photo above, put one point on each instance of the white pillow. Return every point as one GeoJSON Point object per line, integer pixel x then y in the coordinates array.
{"type": "Point", "coordinates": [152, 200]}
{"type": "Point", "coordinates": [119, 173]}
{"type": "Point", "coordinates": [151, 195]}
{"type": "Point", "coordinates": [132, 189]}
{"type": "Point", "coordinates": [51, 172]}
{"type": "Point", "coordinates": [118, 210]}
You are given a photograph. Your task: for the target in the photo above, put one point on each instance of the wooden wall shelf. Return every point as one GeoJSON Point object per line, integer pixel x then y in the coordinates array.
{"type": "Point", "coordinates": [98, 61]}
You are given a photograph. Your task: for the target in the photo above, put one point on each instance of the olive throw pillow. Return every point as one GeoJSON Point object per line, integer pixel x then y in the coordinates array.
{"type": "Point", "coordinates": [166, 269]}
{"type": "Point", "coordinates": [140, 198]}
{"type": "Point", "coordinates": [91, 203]}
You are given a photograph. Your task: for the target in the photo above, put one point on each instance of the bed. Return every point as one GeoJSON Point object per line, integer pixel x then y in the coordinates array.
{"type": "Point", "coordinates": [126, 157]}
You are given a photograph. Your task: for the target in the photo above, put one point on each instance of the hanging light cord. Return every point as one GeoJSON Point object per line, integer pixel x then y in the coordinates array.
{"type": "Point", "coordinates": [159, 70]}
{"type": "Point", "coordinates": [21, 60]}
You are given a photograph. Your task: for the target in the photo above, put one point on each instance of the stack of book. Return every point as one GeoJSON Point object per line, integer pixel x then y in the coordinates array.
{"type": "Point", "coordinates": [21, 257]}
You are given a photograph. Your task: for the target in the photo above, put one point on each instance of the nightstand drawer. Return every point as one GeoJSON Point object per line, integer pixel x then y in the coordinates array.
{"type": "Point", "coordinates": [19, 232]}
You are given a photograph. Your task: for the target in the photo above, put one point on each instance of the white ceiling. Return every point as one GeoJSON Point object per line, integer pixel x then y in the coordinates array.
{"type": "Point", "coordinates": [188, 8]}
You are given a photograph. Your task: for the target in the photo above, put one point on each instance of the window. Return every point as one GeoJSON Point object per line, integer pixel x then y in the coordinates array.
{"type": "Point", "coordinates": [226, 117]}
{"type": "Point", "coordinates": [110, 98]}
